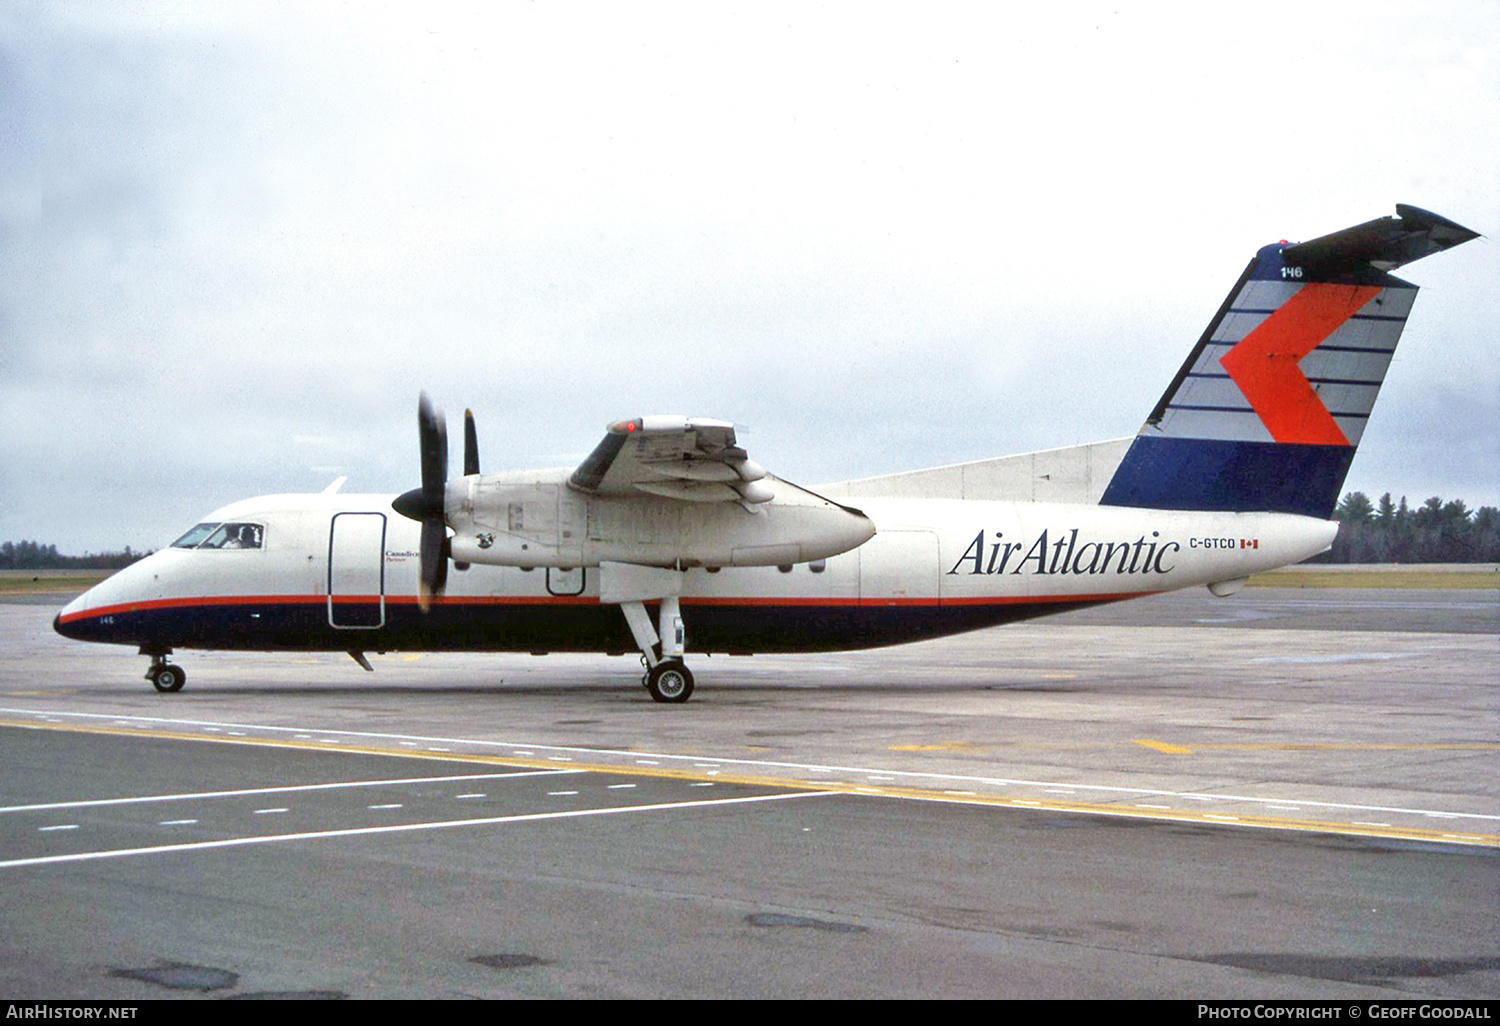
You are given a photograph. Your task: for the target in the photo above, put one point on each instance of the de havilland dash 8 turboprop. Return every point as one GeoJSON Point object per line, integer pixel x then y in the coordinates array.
{"type": "Point", "coordinates": [669, 534]}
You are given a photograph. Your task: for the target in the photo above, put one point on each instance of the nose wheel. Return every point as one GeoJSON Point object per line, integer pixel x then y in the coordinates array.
{"type": "Point", "coordinates": [166, 677]}
{"type": "Point", "coordinates": [669, 681]}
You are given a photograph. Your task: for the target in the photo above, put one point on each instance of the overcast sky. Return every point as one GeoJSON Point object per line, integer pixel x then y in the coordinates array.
{"type": "Point", "coordinates": [236, 239]}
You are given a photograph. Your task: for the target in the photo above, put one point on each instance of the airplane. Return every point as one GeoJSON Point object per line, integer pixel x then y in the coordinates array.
{"type": "Point", "coordinates": [668, 531]}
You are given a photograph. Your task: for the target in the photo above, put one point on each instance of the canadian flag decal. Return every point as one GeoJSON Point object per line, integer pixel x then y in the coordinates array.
{"type": "Point", "coordinates": [1264, 363]}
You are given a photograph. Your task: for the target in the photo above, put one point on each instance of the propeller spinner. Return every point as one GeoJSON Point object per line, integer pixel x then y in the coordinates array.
{"type": "Point", "coordinates": [425, 504]}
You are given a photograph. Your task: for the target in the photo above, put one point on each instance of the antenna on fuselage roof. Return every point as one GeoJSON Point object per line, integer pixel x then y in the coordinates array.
{"type": "Point", "coordinates": [334, 487]}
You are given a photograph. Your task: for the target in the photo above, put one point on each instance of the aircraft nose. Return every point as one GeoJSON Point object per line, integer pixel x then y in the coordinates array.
{"type": "Point", "coordinates": [71, 627]}
{"type": "Point", "coordinates": [68, 631]}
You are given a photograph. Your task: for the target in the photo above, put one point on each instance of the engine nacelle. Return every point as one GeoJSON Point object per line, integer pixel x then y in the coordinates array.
{"type": "Point", "coordinates": [533, 520]}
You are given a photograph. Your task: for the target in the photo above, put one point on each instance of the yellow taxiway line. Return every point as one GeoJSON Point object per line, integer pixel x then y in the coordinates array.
{"type": "Point", "coordinates": [794, 783]}
{"type": "Point", "coordinates": [1166, 748]}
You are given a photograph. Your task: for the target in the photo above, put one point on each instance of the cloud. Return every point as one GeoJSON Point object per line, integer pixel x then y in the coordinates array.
{"type": "Point", "coordinates": [235, 241]}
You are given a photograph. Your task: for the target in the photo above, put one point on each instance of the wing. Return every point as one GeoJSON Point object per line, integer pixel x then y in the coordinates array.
{"type": "Point", "coordinates": [690, 459]}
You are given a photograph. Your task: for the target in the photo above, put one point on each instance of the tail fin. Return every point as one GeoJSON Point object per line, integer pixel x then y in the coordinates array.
{"type": "Point", "coordinates": [1267, 411]}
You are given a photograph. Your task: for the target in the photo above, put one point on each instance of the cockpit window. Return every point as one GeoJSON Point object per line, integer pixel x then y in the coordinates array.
{"type": "Point", "coordinates": [222, 536]}
{"type": "Point", "coordinates": [193, 537]}
{"type": "Point", "coordinates": [234, 536]}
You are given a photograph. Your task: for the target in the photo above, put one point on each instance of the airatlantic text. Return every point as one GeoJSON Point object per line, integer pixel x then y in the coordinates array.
{"type": "Point", "coordinates": [1065, 554]}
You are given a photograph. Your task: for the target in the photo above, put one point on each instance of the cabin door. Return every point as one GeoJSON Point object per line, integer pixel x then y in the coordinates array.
{"type": "Point", "coordinates": [356, 571]}
{"type": "Point", "coordinates": [899, 568]}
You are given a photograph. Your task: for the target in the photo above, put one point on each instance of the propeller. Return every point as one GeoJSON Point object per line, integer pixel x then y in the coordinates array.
{"type": "Point", "coordinates": [425, 504]}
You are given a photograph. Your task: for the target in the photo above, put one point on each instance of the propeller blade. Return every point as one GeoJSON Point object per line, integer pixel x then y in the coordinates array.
{"type": "Point", "coordinates": [426, 503]}
{"type": "Point", "coordinates": [471, 445]}
{"type": "Point", "coordinates": [432, 432]}
{"type": "Point", "coordinates": [434, 562]}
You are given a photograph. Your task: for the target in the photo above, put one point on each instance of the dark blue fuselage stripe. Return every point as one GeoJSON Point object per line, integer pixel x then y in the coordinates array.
{"type": "Point", "coordinates": [531, 627]}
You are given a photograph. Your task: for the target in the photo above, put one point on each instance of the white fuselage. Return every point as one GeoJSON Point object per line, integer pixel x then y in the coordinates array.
{"type": "Point", "coordinates": [339, 572]}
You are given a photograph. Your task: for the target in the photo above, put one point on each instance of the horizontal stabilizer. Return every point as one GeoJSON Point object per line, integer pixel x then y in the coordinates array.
{"type": "Point", "coordinates": [1384, 244]}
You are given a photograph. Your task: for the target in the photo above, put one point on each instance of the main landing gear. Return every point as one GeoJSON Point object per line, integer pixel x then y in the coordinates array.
{"type": "Point", "coordinates": [669, 681]}
{"type": "Point", "coordinates": [660, 643]}
{"type": "Point", "coordinates": [164, 676]}
{"type": "Point", "coordinates": [667, 677]}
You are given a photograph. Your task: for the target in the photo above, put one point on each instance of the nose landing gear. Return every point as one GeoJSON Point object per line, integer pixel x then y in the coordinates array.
{"type": "Point", "coordinates": [164, 676]}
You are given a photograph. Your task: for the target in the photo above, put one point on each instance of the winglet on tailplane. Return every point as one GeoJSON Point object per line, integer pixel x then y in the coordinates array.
{"type": "Point", "coordinates": [1267, 411]}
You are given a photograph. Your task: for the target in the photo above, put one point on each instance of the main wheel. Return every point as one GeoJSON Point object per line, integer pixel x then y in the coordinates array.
{"type": "Point", "coordinates": [168, 678]}
{"type": "Point", "coordinates": [669, 681]}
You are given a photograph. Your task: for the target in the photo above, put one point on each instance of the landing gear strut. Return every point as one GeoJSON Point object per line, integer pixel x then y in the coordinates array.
{"type": "Point", "coordinates": [163, 675]}
{"type": "Point", "coordinates": [661, 644]}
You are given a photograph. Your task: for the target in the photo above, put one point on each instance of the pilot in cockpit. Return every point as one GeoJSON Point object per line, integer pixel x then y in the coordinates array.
{"type": "Point", "coordinates": [241, 537]}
